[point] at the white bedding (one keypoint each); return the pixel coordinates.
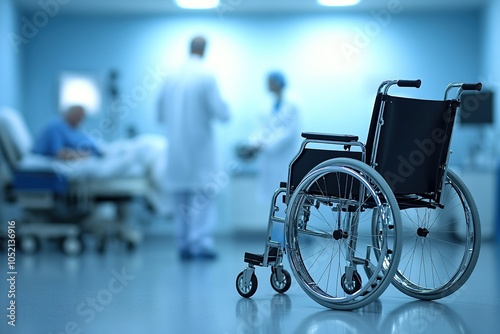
(142, 156)
(124, 167)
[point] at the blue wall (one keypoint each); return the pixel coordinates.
(490, 69)
(334, 62)
(491, 73)
(9, 56)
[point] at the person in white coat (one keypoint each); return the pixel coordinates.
(275, 142)
(277, 139)
(190, 103)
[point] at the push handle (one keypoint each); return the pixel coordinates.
(475, 86)
(409, 83)
(461, 87)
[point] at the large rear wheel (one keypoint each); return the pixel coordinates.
(440, 245)
(342, 230)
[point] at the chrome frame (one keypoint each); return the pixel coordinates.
(457, 98)
(380, 121)
(271, 243)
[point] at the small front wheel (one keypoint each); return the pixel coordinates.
(29, 244)
(351, 287)
(246, 290)
(72, 246)
(284, 285)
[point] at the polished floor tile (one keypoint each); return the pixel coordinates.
(151, 291)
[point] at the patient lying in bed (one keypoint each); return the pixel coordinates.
(75, 155)
(71, 153)
(63, 139)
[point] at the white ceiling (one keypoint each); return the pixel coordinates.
(244, 6)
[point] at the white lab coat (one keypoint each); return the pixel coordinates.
(279, 139)
(189, 104)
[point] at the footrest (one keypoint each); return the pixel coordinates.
(254, 259)
(258, 259)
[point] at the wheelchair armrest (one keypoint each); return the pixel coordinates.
(329, 137)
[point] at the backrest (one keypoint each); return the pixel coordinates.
(412, 149)
(15, 139)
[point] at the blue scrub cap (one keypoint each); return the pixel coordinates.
(278, 78)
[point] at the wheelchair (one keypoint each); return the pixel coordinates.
(359, 217)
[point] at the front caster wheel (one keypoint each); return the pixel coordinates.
(246, 290)
(72, 246)
(29, 244)
(351, 287)
(284, 285)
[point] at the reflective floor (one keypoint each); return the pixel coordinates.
(152, 291)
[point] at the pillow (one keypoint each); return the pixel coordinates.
(14, 134)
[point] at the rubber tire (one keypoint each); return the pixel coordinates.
(253, 287)
(274, 281)
(29, 244)
(72, 246)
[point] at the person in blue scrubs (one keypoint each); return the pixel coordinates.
(62, 138)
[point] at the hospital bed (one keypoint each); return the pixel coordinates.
(56, 203)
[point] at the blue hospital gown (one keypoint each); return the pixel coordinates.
(59, 135)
